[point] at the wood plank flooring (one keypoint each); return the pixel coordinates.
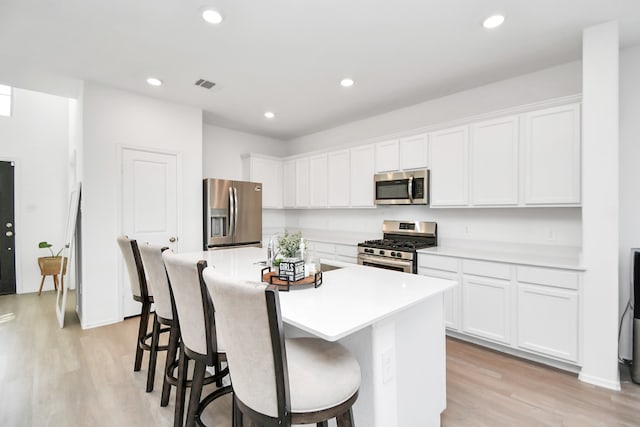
(70, 377)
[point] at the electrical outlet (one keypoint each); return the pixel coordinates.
(387, 365)
(550, 235)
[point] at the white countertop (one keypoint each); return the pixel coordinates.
(348, 300)
(537, 255)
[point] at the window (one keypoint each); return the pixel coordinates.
(5, 100)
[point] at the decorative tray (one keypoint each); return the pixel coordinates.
(271, 277)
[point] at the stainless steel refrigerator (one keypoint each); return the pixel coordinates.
(232, 213)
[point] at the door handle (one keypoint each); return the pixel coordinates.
(235, 203)
(232, 213)
(9, 233)
(172, 239)
(410, 188)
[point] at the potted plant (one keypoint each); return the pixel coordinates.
(289, 244)
(51, 265)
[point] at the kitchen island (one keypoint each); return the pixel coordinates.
(392, 322)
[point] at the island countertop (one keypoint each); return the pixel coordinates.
(349, 299)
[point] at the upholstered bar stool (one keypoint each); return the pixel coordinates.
(278, 381)
(200, 341)
(141, 293)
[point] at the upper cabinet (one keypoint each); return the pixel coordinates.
(449, 167)
(289, 183)
(318, 181)
(552, 156)
(494, 162)
(338, 178)
(387, 156)
(361, 173)
(268, 171)
(414, 152)
(302, 182)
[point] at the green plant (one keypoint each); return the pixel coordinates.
(47, 245)
(289, 243)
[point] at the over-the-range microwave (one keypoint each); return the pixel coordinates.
(402, 188)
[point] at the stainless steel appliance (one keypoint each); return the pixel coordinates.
(232, 213)
(402, 188)
(397, 250)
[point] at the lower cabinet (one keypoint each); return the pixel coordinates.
(451, 297)
(334, 251)
(486, 306)
(548, 321)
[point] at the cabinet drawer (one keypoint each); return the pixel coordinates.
(346, 250)
(486, 269)
(547, 276)
(438, 262)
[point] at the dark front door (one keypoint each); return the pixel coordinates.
(7, 230)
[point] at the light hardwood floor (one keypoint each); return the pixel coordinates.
(70, 377)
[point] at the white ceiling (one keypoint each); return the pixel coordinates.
(288, 56)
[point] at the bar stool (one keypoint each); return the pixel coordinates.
(276, 381)
(200, 341)
(141, 293)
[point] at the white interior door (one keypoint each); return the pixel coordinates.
(149, 205)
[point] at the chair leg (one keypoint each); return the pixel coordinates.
(323, 424)
(142, 331)
(345, 419)
(196, 392)
(218, 369)
(181, 388)
(41, 283)
(171, 357)
(153, 353)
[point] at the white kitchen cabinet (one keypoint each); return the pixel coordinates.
(451, 296)
(548, 321)
(486, 304)
(414, 152)
(347, 253)
(302, 182)
(387, 156)
(338, 178)
(289, 183)
(552, 156)
(268, 171)
(449, 167)
(494, 162)
(361, 168)
(318, 181)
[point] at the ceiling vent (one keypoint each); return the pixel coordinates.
(205, 84)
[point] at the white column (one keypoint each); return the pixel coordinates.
(600, 203)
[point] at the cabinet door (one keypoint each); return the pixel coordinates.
(486, 307)
(362, 170)
(387, 158)
(552, 156)
(413, 152)
(449, 165)
(269, 173)
(451, 297)
(548, 321)
(302, 182)
(289, 183)
(338, 178)
(318, 181)
(494, 162)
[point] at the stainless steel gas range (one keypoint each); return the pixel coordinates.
(397, 249)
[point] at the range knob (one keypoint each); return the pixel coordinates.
(369, 251)
(393, 254)
(381, 252)
(399, 255)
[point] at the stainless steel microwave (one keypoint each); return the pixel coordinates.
(402, 188)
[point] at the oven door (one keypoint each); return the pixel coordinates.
(404, 266)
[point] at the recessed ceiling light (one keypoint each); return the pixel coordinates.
(212, 16)
(493, 21)
(269, 115)
(346, 82)
(153, 81)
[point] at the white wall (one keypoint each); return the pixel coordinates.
(629, 178)
(111, 119)
(555, 82)
(36, 138)
(222, 149)
(600, 205)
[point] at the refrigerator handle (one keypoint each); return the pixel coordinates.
(232, 212)
(235, 202)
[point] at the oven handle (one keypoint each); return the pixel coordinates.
(410, 188)
(387, 261)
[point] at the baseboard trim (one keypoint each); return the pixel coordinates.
(84, 325)
(600, 382)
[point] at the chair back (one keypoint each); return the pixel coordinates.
(248, 316)
(193, 305)
(158, 281)
(134, 267)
